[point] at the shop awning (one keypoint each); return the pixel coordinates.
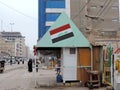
(63, 33)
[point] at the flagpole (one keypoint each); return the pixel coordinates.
(35, 73)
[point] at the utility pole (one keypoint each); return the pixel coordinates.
(11, 26)
(1, 25)
(11, 42)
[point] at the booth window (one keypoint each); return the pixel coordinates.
(72, 50)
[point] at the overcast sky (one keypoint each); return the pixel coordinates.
(24, 15)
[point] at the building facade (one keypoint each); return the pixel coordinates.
(49, 11)
(12, 44)
(97, 19)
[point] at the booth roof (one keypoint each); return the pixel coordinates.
(63, 33)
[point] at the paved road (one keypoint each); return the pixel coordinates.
(16, 77)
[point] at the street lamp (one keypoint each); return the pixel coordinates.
(11, 26)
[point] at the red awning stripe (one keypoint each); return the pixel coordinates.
(117, 51)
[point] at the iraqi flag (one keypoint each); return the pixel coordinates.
(61, 33)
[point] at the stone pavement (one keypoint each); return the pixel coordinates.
(46, 79)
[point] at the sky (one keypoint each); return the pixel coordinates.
(23, 14)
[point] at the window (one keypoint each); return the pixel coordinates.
(114, 7)
(72, 50)
(109, 33)
(93, 7)
(55, 3)
(17, 45)
(114, 20)
(52, 16)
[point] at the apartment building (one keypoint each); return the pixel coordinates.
(97, 19)
(12, 44)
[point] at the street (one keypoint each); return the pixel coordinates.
(17, 77)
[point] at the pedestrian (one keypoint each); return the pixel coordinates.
(30, 65)
(22, 61)
(58, 67)
(10, 61)
(37, 62)
(18, 62)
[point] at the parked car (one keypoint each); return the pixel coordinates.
(13, 61)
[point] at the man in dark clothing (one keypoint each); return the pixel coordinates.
(30, 65)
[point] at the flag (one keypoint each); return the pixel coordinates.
(61, 33)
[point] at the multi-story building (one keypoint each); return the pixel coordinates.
(49, 11)
(4, 48)
(12, 44)
(103, 21)
(97, 19)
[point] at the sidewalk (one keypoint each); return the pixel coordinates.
(9, 67)
(45, 78)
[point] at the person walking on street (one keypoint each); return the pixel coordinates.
(30, 65)
(22, 61)
(10, 61)
(37, 64)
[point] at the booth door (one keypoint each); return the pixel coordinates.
(96, 58)
(84, 59)
(69, 63)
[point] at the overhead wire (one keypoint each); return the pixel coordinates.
(79, 12)
(105, 7)
(108, 9)
(101, 8)
(110, 1)
(100, 12)
(17, 11)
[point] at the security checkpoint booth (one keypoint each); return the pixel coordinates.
(75, 50)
